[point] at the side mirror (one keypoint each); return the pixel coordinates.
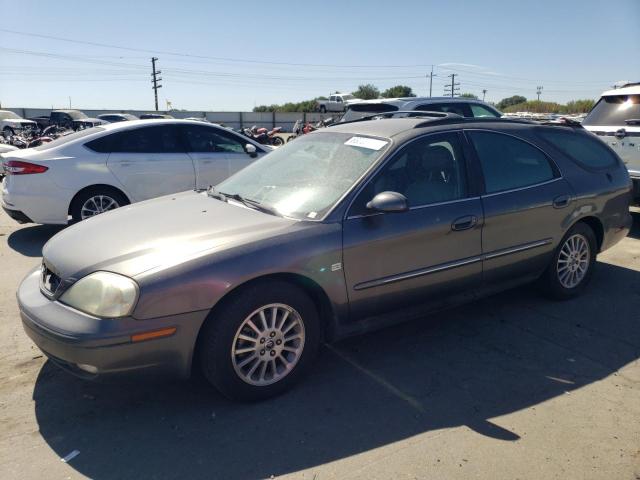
(389, 202)
(250, 149)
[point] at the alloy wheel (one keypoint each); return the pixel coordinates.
(268, 344)
(96, 205)
(573, 261)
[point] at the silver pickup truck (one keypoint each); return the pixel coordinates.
(616, 120)
(337, 102)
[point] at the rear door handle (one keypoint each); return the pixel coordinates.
(464, 223)
(561, 201)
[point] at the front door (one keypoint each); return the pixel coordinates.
(396, 260)
(151, 161)
(216, 153)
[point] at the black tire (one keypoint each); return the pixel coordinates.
(218, 337)
(83, 197)
(277, 141)
(8, 132)
(323, 109)
(551, 282)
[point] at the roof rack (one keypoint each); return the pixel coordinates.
(435, 116)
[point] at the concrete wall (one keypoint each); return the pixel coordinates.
(234, 120)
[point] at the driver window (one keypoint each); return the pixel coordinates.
(427, 171)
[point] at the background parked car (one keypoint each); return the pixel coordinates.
(154, 116)
(42, 121)
(616, 120)
(117, 117)
(11, 123)
(462, 106)
(73, 119)
(337, 102)
(94, 170)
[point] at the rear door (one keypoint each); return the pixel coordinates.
(525, 206)
(431, 251)
(151, 161)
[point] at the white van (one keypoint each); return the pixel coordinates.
(616, 120)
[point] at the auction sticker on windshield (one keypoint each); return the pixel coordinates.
(364, 142)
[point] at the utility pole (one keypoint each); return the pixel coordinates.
(453, 86)
(431, 75)
(156, 79)
(484, 92)
(538, 91)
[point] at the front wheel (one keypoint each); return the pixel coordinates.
(8, 132)
(261, 341)
(572, 265)
(277, 141)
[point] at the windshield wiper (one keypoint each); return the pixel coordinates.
(254, 204)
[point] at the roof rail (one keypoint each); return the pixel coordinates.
(435, 116)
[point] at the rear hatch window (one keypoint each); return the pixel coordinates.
(615, 110)
(360, 110)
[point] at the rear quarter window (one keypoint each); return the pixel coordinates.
(581, 147)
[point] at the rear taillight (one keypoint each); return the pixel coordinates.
(16, 167)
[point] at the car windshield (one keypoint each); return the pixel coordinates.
(8, 115)
(306, 177)
(76, 115)
(614, 110)
(348, 97)
(361, 110)
(68, 138)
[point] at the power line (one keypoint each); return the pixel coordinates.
(538, 91)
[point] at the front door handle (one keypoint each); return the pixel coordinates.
(464, 223)
(561, 201)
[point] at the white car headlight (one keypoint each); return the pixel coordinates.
(102, 294)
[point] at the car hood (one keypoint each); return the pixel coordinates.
(157, 234)
(18, 121)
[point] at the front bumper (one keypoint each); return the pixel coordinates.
(93, 347)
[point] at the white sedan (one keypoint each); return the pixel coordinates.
(91, 171)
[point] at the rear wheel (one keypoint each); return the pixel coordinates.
(261, 342)
(323, 109)
(95, 201)
(277, 141)
(572, 265)
(7, 132)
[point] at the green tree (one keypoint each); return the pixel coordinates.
(399, 91)
(580, 106)
(367, 92)
(507, 102)
(469, 95)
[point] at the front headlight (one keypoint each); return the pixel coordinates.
(102, 294)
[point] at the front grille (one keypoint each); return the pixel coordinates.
(49, 281)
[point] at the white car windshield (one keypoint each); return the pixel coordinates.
(8, 116)
(306, 177)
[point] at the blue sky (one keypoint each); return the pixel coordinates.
(233, 55)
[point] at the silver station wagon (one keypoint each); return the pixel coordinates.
(344, 230)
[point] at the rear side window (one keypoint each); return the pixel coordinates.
(461, 109)
(508, 163)
(480, 111)
(160, 139)
(582, 148)
(101, 145)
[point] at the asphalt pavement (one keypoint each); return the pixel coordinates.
(511, 387)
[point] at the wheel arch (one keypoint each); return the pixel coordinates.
(326, 313)
(96, 186)
(596, 225)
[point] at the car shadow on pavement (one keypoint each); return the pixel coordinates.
(635, 228)
(464, 367)
(30, 240)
